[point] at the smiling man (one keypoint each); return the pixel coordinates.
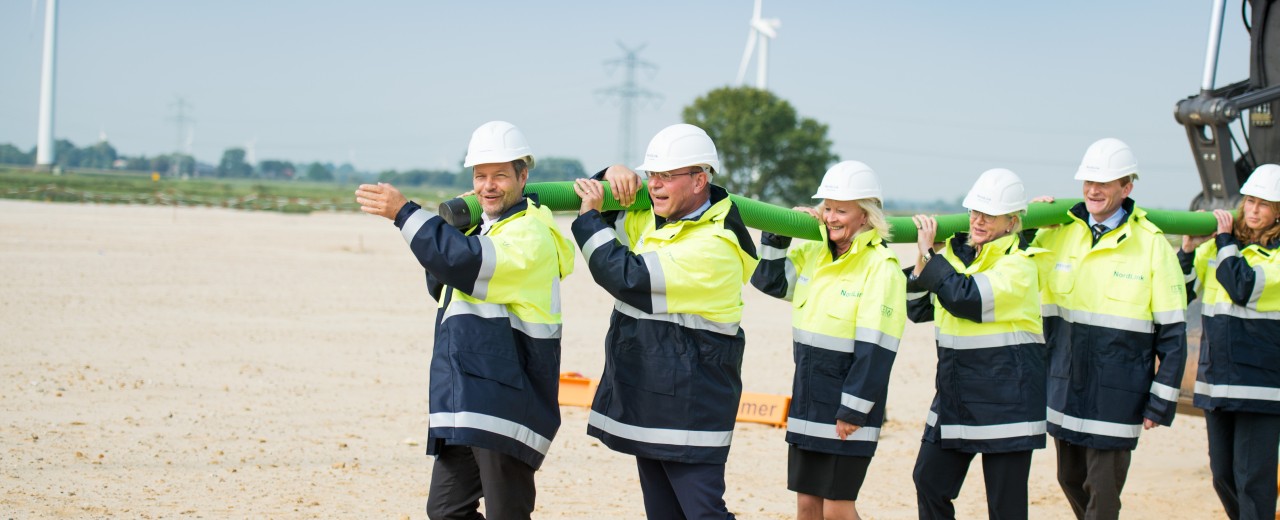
(496, 356)
(673, 353)
(1115, 304)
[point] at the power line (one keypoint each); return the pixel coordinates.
(629, 96)
(180, 121)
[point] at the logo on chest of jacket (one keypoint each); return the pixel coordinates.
(850, 294)
(1128, 276)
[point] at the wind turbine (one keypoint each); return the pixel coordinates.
(44, 134)
(762, 30)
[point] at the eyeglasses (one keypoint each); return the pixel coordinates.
(668, 176)
(979, 216)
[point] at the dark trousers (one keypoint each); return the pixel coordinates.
(1242, 458)
(463, 474)
(1092, 479)
(676, 490)
(940, 473)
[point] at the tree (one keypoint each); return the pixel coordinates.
(318, 172)
(767, 152)
(233, 164)
(273, 169)
(10, 154)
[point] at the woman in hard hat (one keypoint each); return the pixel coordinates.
(982, 290)
(849, 309)
(1238, 381)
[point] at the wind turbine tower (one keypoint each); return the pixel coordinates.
(44, 135)
(762, 30)
(628, 93)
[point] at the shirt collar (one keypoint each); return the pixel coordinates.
(1113, 221)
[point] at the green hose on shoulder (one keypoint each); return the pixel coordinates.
(464, 213)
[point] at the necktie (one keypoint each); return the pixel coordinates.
(1098, 230)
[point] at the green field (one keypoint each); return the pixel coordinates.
(139, 188)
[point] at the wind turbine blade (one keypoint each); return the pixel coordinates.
(762, 66)
(765, 27)
(746, 55)
(755, 15)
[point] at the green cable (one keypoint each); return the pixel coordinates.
(464, 212)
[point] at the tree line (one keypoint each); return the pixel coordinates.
(768, 151)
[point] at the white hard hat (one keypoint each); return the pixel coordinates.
(1263, 183)
(677, 146)
(849, 180)
(1107, 160)
(497, 142)
(997, 192)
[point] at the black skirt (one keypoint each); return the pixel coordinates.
(833, 477)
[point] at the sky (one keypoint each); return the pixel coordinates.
(929, 94)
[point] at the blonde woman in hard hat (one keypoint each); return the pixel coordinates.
(1238, 381)
(848, 297)
(982, 291)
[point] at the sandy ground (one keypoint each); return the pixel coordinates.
(207, 363)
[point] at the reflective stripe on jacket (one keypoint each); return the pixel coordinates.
(1111, 311)
(990, 386)
(1239, 368)
(673, 353)
(496, 357)
(847, 320)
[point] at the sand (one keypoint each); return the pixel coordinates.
(207, 363)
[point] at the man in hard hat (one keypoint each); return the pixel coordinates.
(981, 289)
(673, 355)
(1114, 305)
(496, 360)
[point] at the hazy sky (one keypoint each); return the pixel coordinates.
(929, 94)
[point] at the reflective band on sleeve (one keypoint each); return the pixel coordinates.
(828, 431)
(1004, 339)
(1090, 426)
(688, 321)
(489, 423)
(601, 237)
(791, 280)
(416, 220)
(1227, 252)
(488, 264)
(657, 282)
(706, 439)
(913, 296)
(1169, 317)
(768, 252)
(1231, 309)
(1259, 281)
(1189, 277)
(876, 337)
(1104, 320)
(620, 226)
(1260, 393)
(857, 403)
(1165, 392)
(987, 296)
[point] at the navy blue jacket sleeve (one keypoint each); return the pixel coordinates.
(1187, 261)
(919, 304)
(621, 273)
(449, 256)
(1233, 272)
(957, 293)
(770, 276)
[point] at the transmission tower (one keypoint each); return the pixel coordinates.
(180, 121)
(629, 96)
